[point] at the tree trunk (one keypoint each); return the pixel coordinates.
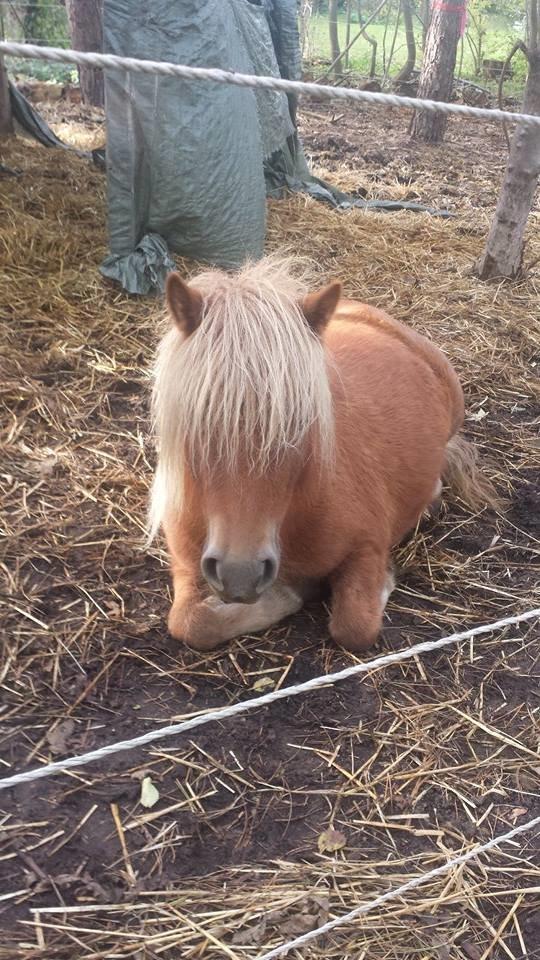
(348, 34)
(409, 65)
(334, 38)
(6, 120)
(86, 28)
(425, 15)
(437, 75)
(533, 27)
(503, 253)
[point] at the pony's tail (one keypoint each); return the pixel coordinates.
(463, 475)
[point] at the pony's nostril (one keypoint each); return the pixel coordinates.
(238, 581)
(210, 572)
(268, 574)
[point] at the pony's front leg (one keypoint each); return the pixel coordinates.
(360, 591)
(204, 623)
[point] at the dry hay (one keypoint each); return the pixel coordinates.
(411, 764)
(80, 126)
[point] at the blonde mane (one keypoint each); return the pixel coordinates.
(250, 383)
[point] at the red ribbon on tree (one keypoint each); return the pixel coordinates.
(448, 7)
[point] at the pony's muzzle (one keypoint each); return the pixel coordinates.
(239, 581)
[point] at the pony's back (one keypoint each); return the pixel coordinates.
(353, 327)
(367, 318)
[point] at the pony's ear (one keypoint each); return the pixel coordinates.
(185, 303)
(318, 307)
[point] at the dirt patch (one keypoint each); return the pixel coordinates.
(411, 763)
(372, 155)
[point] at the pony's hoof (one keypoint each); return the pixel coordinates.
(194, 631)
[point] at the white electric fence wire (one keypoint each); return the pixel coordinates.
(323, 92)
(224, 713)
(398, 891)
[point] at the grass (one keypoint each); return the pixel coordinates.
(497, 43)
(500, 37)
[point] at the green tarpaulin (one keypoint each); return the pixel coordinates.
(190, 163)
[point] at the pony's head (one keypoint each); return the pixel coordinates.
(242, 402)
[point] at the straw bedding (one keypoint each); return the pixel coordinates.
(408, 765)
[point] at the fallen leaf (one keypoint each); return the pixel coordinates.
(68, 879)
(478, 415)
(443, 952)
(43, 468)
(518, 812)
(47, 466)
(113, 609)
(149, 793)
(331, 840)
(251, 936)
(471, 950)
(58, 737)
(298, 924)
(265, 683)
(323, 903)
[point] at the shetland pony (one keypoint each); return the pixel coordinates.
(301, 436)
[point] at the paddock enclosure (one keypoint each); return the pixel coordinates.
(269, 824)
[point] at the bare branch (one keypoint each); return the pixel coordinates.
(519, 45)
(409, 65)
(370, 39)
(353, 41)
